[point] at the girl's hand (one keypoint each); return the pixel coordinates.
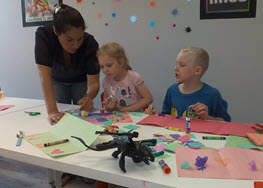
(201, 110)
(151, 110)
(86, 103)
(54, 117)
(122, 108)
(109, 105)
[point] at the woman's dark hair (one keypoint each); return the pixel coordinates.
(66, 17)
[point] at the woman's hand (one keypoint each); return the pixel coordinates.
(54, 117)
(151, 110)
(86, 103)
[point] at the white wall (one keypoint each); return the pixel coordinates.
(234, 45)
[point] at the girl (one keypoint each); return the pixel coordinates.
(123, 89)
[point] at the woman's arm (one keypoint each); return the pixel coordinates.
(45, 74)
(146, 99)
(93, 89)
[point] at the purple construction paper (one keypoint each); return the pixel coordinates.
(200, 162)
(99, 114)
(160, 146)
(94, 121)
(186, 143)
(176, 136)
(252, 165)
(101, 119)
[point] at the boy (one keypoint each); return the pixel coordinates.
(190, 96)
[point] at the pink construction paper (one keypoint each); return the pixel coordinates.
(201, 126)
(55, 151)
(94, 121)
(184, 138)
(4, 107)
(237, 168)
(160, 146)
(256, 138)
(33, 137)
(165, 139)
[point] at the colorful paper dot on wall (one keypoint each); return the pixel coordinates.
(117, 0)
(188, 0)
(99, 15)
(188, 29)
(157, 38)
(113, 15)
(152, 23)
(133, 18)
(152, 3)
(93, 3)
(79, 1)
(174, 25)
(106, 24)
(175, 12)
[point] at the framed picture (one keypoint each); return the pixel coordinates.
(35, 12)
(222, 9)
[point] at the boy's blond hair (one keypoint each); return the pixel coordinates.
(114, 50)
(200, 56)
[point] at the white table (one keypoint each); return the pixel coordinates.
(99, 165)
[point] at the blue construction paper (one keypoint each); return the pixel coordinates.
(131, 127)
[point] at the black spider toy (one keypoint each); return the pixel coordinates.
(137, 150)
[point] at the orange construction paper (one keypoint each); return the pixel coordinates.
(222, 161)
(57, 151)
(256, 138)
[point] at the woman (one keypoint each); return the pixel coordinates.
(66, 60)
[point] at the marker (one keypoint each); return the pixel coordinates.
(158, 153)
(33, 113)
(56, 142)
(214, 138)
(164, 166)
(174, 129)
(187, 125)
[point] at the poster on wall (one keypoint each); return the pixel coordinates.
(36, 12)
(222, 9)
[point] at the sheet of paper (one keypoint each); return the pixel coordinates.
(235, 159)
(237, 141)
(256, 138)
(4, 107)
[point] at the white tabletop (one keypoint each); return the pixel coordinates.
(100, 165)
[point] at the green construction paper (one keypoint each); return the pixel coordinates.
(158, 140)
(47, 137)
(240, 142)
(111, 119)
(130, 126)
(68, 126)
(192, 136)
(72, 126)
(107, 123)
(171, 146)
(196, 144)
(119, 114)
(122, 131)
(185, 165)
(138, 114)
(164, 156)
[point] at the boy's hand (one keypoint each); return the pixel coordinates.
(201, 110)
(151, 110)
(109, 105)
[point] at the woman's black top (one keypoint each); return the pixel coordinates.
(49, 52)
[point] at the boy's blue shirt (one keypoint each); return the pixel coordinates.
(217, 106)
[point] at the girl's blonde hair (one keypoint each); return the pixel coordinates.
(114, 50)
(200, 56)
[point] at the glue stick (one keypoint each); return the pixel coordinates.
(164, 166)
(187, 125)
